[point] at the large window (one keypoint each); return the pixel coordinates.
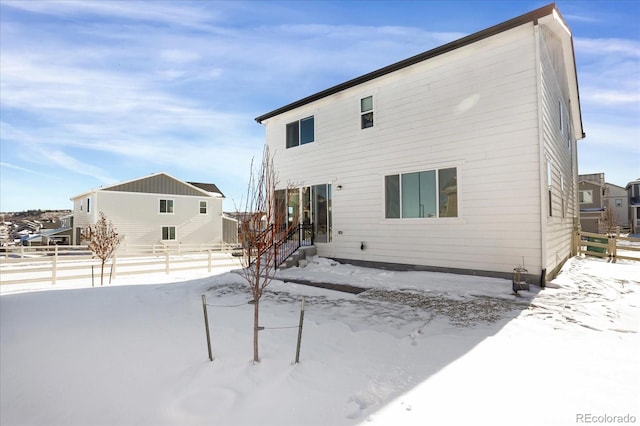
(321, 198)
(586, 196)
(166, 206)
(300, 132)
(366, 112)
(431, 193)
(168, 233)
(310, 205)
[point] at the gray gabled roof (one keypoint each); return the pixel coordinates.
(208, 187)
(532, 16)
(162, 183)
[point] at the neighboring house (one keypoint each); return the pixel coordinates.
(591, 196)
(462, 158)
(242, 218)
(154, 209)
(633, 191)
(616, 200)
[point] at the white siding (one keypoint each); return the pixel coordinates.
(474, 108)
(81, 218)
(136, 216)
(559, 149)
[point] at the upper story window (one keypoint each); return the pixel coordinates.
(585, 196)
(166, 206)
(203, 207)
(300, 132)
(88, 205)
(366, 112)
(561, 113)
(432, 193)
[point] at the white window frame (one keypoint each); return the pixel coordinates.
(299, 121)
(206, 207)
(168, 228)
(369, 111)
(402, 219)
(168, 210)
(561, 108)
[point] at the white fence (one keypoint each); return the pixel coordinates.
(23, 265)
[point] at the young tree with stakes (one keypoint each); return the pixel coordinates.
(262, 227)
(103, 241)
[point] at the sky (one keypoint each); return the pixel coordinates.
(93, 93)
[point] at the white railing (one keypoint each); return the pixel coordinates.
(13, 252)
(22, 265)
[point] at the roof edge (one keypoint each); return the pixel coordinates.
(464, 41)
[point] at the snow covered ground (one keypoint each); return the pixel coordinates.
(418, 348)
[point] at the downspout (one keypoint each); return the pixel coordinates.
(541, 160)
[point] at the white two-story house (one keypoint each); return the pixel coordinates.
(155, 209)
(462, 158)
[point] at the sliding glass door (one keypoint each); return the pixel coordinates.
(308, 205)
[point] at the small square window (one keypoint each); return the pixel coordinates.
(300, 132)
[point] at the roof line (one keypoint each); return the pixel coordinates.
(472, 38)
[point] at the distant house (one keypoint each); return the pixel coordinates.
(462, 158)
(155, 209)
(591, 196)
(617, 200)
(633, 191)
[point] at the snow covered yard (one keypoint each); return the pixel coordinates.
(418, 348)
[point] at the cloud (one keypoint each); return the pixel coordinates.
(609, 75)
(26, 170)
(65, 161)
(614, 97)
(159, 12)
(598, 46)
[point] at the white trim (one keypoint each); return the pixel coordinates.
(173, 206)
(206, 207)
(175, 232)
(372, 111)
(541, 154)
(437, 218)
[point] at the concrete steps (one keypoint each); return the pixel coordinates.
(299, 257)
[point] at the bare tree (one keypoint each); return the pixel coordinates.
(262, 229)
(103, 241)
(609, 220)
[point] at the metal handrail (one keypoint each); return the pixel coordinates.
(285, 242)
